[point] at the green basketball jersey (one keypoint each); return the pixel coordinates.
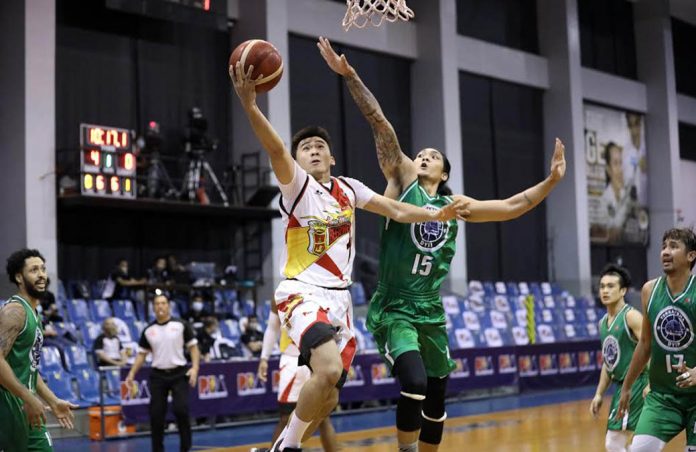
(26, 350)
(414, 260)
(672, 318)
(618, 344)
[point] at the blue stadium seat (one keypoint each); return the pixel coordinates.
(133, 330)
(457, 320)
(78, 311)
(88, 386)
(501, 303)
(471, 321)
(520, 335)
(61, 294)
(90, 331)
(263, 310)
(500, 288)
(140, 310)
(475, 286)
(124, 309)
(63, 328)
(489, 288)
(520, 317)
(592, 329)
(499, 320)
(60, 382)
(523, 288)
(492, 337)
(512, 289)
(76, 358)
(535, 289)
(450, 303)
(357, 293)
(463, 338)
(100, 310)
(230, 329)
(546, 316)
(545, 334)
(50, 359)
(113, 382)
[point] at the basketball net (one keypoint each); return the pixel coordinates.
(363, 12)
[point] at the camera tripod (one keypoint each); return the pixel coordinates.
(192, 180)
(159, 184)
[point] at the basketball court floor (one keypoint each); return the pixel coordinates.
(553, 421)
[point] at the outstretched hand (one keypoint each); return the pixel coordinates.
(457, 209)
(339, 64)
(558, 163)
(244, 85)
(62, 409)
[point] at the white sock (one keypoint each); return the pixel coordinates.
(413, 447)
(294, 431)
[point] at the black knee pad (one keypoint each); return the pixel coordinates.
(434, 403)
(434, 414)
(431, 432)
(410, 371)
(316, 335)
(408, 414)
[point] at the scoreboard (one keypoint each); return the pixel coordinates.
(107, 162)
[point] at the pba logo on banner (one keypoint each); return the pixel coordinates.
(139, 394)
(249, 384)
(548, 364)
(380, 375)
(506, 363)
(212, 387)
(355, 376)
(585, 361)
(567, 363)
(461, 369)
(275, 380)
(528, 365)
(483, 365)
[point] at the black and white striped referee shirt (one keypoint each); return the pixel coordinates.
(166, 342)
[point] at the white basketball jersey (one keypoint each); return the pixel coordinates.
(319, 228)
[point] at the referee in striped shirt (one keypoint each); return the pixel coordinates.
(165, 338)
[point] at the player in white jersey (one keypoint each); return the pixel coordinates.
(292, 378)
(318, 210)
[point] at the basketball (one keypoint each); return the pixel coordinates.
(266, 61)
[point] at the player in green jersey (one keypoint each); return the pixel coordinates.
(620, 331)
(22, 413)
(406, 316)
(667, 340)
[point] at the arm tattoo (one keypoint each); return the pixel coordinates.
(12, 319)
(388, 149)
(529, 201)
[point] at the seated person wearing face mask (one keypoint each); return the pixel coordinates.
(197, 313)
(211, 343)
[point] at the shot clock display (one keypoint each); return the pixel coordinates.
(107, 163)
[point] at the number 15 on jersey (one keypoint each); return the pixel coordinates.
(422, 265)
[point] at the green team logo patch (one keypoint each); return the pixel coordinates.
(431, 235)
(672, 329)
(611, 352)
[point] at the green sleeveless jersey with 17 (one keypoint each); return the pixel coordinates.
(672, 319)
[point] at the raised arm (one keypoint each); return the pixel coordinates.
(281, 161)
(398, 168)
(408, 213)
(523, 202)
